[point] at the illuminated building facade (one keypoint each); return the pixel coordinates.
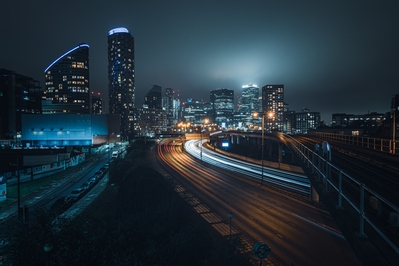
(67, 83)
(306, 120)
(121, 78)
(19, 95)
(249, 99)
(273, 107)
(168, 105)
(62, 130)
(96, 104)
(222, 101)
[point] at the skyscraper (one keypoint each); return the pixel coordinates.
(121, 77)
(222, 101)
(273, 105)
(250, 99)
(67, 83)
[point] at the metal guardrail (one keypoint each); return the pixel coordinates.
(352, 197)
(383, 145)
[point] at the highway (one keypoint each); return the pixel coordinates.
(292, 181)
(297, 232)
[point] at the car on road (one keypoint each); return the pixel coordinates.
(99, 173)
(77, 193)
(92, 180)
(86, 185)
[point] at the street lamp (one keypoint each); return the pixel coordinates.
(206, 121)
(270, 116)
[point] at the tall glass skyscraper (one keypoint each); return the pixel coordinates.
(222, 101)
(250, 99)
(67, 83)
(121, 77)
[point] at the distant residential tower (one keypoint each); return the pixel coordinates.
(121, 77)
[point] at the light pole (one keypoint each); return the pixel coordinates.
(206, 121)
(270, 116)
(201, 143)
(263, 139)
(230, 214)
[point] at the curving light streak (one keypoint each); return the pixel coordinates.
(282, 178)
(70, 51)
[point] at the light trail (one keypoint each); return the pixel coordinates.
(285, 179)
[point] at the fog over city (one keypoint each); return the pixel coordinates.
(332, 57)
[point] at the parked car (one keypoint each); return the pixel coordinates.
(77, 193)
(86, 185)
(92, 180)
(99, 173)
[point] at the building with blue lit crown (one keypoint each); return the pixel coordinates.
(121, 77)
(67, 83)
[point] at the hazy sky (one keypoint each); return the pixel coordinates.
(331, 56)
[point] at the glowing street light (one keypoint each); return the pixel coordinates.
(206, 121)
(270, 116)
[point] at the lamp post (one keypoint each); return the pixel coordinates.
(201, 143)
(270, 116)
(263, 140)
(206, 121)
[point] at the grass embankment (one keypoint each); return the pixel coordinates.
(31, 186)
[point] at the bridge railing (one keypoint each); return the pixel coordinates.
(360, 201)
(384, 145)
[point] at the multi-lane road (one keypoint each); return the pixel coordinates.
(297, 232)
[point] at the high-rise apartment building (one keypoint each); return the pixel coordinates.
(273, 107)
(19, 95)
(67, 83)
(222, 101)
(121, 77)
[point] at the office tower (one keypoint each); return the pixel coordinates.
(121, 77)
(67, 83)
(96, 103)
(222, 101)
(273, 107)
(249, 99)
(19, 95)
(153, 98)
(193, 111)
(168, 102)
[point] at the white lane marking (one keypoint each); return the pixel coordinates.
(324, 227)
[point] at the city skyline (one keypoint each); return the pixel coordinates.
(331, 57)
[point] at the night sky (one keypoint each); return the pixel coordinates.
(331, 56)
